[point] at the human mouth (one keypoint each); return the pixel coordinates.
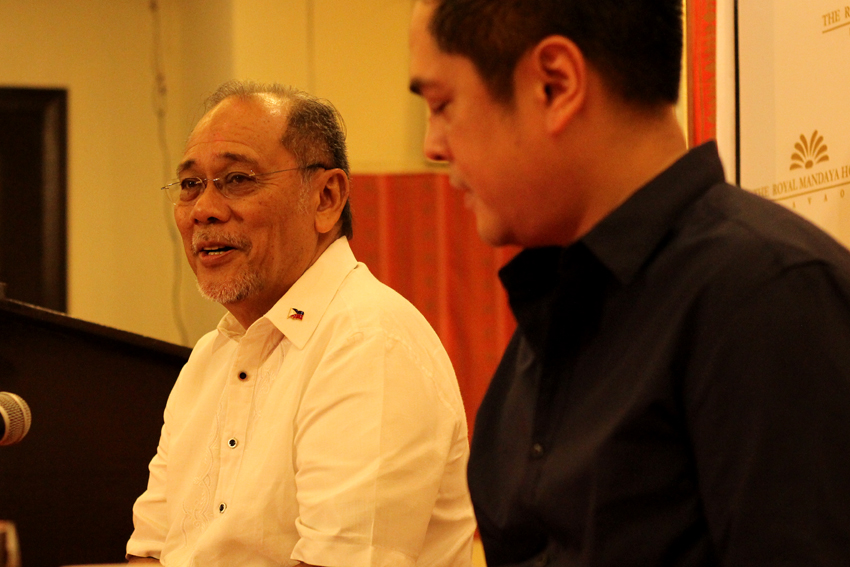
(210, 246)
(215, 251)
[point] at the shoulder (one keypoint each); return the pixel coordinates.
(764, 226)
(366, 313)
(740, 272)
(732, 235)
(367, 304)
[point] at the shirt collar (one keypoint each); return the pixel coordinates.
(298, 312)
(624, 240)
(543, 281)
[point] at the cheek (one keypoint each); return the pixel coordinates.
(184, 226)
(183, 222)
(473, 145)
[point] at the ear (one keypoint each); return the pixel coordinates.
(560, 72)
(333, 194)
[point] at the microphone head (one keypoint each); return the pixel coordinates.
(16, 418)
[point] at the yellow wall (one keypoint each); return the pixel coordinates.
(123, 257)
(117, 246)
(121, 251)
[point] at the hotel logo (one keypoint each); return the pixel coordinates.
(810, 152)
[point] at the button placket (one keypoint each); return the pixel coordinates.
(247, 379)
(239, 393)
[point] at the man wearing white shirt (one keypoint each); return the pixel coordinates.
(321, 423)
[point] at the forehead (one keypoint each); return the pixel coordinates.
(251, 128)
(433, 71)
(425, 55)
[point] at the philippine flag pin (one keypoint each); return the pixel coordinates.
(296, 314)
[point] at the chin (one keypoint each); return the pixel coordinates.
(232, 290)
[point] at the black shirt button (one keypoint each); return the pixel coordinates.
(232, 443)
(537, 450)
(222, 507)
(243, 376)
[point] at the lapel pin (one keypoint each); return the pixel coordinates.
(296, 314)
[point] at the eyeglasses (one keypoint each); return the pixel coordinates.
(234, 185)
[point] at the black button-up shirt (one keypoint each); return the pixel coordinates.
(677, 392)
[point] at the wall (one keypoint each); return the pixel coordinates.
(101, 52)
(123, 256)
(126, 268)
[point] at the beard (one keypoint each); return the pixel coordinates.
(237, 288)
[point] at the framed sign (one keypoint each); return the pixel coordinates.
(793, 116)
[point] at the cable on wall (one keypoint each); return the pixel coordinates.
(160, 107)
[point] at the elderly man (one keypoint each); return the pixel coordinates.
(321, 423)
(677, 392)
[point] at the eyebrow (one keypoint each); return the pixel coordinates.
(229, 156)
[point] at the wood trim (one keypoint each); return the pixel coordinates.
(702, 89)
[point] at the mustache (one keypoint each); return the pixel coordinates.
(225, 239)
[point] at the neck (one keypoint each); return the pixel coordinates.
(627, 150)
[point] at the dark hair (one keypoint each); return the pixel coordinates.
(315, 131)
(635, 45)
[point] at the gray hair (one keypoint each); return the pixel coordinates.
(315, 130)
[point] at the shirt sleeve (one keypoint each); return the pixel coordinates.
(149, 511)
(770, 426)
(373, 436)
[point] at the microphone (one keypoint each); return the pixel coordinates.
(15, 418)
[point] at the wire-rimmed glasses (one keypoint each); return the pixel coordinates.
(233, 185)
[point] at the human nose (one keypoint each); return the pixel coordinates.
(211, 206)
(435, 146)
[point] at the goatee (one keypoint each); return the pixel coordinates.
(237, 288)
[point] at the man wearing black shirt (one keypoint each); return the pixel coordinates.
(677, 391)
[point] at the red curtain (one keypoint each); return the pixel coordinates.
(415, 235)
(702, 91)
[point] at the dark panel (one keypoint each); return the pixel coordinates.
(97, 396)
(32, 195)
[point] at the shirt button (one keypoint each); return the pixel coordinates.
(222, 507)
(243, 376)
(232, 443)
(537, 450)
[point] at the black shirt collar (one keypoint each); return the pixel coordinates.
(625, 239)
(543, 282)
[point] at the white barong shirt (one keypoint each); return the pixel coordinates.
(331, 431)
